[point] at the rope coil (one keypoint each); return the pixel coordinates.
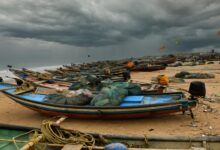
(53, 133)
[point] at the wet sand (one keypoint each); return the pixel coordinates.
(205, 122)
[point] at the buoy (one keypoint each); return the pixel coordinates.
(115, 146)
(163, 80)
(130, 65)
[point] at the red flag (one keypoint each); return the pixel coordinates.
(163, 47)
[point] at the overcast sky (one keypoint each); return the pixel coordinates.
(47, 32)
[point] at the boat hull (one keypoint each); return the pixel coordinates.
(165, 61)
(149, 68)
(90, 112)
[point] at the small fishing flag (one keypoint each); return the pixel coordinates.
(163, 47)
(178, 41)
(218, 33)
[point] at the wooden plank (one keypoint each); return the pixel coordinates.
(198, 148)
(72, 147)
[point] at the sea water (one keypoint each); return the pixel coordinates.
(5, 73)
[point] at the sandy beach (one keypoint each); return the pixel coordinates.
(206, 113)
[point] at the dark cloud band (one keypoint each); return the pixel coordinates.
(95, 23)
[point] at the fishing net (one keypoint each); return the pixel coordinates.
(109, 96)
(61, 99)
(182, 74)
(133, 89)
(199, 76)
(77, 85)
(87, 81)
(188, 75)
(114, 94)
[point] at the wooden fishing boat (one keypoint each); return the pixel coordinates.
(11, 135)
(5, 86)
(63, 84)
(60, 85)
(55, 72)
(138, 106)
(148, 68)
(164, 61)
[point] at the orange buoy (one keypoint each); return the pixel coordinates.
(164, 80)
(130, 64)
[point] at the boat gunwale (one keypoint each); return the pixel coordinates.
(107, 107)
(180, 138)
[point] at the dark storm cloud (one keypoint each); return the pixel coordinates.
(98, 23)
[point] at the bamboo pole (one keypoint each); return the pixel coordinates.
(31, 143)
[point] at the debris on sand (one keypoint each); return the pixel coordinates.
(188, 75)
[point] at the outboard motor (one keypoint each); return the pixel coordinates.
(1, 80)
(197, 89)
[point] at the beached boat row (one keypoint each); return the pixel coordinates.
(89, 95)
(92, 94)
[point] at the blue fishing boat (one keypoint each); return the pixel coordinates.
(138, 106)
